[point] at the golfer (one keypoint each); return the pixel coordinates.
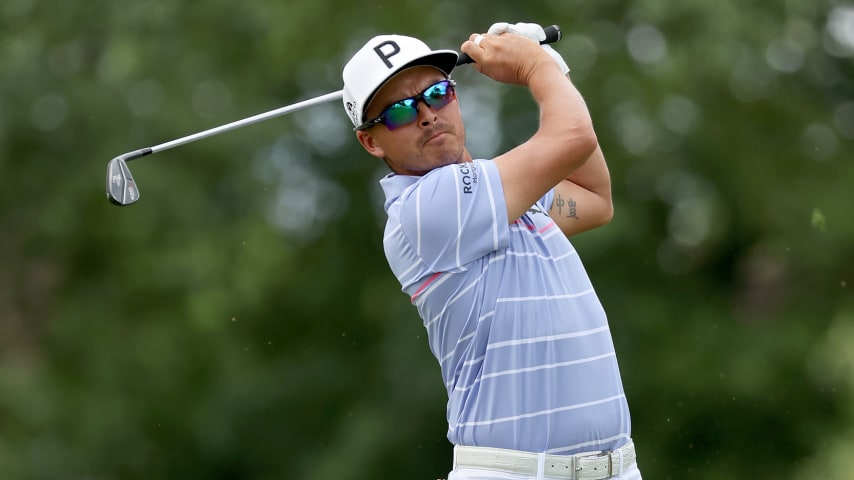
(481, 248)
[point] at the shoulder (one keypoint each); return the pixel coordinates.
(461, 178)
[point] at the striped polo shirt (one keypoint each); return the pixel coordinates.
(523, 342)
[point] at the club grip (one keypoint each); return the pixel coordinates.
(552, 35)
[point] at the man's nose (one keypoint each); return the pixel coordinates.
(426, 114)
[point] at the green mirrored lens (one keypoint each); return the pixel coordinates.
(437, 95)
(400, 114)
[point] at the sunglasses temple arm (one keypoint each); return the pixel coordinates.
(553, 35)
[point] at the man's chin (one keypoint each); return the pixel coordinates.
(443, 157)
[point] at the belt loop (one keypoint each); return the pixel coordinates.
(541, 466)
(621, 461)
(454, 465)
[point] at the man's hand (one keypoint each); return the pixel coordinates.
(507, 58)
(532, 31)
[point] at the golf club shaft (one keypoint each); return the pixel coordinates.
(552, 32)
(235, 124)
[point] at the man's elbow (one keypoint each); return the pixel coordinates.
(582, 144)
(606, 211)
(608, 214)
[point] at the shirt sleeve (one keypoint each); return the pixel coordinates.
(456, 214)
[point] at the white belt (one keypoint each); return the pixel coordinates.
(573, 467)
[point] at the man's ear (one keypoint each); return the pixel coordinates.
(370, 144)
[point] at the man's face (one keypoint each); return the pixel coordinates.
(436, 137)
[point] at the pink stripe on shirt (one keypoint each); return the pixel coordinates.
(423, 286)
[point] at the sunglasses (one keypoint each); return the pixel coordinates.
(405, 111)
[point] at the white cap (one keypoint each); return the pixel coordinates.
(379, 60)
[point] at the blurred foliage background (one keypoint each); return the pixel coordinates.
(240, 321)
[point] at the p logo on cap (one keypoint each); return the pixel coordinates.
(395, 49)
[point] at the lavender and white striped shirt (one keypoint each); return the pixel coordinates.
(511, 316)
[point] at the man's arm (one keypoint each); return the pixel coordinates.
(583, 200)
(565, 139)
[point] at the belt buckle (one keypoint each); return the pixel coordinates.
(610, 463)
(607, 466)
(609, 469)
(576, 468)
(584, 471)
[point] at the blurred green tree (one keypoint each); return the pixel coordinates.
(241, 322)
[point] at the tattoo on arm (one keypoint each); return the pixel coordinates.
(565, 206)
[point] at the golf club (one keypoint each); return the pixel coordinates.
(122, 189)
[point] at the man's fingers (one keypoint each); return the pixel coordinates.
(473, 47)
(476, 38)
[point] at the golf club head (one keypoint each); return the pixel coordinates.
(121, 188)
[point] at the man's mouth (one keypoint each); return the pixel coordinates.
(436, 136)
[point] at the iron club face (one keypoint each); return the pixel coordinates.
(121, 188)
